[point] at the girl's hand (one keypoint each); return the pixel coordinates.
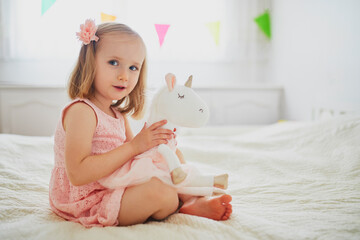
(150, 137)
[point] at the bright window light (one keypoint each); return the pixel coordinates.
(198, 30)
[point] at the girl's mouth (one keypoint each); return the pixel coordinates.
(119, 87)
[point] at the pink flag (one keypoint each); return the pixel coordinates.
(161, 30)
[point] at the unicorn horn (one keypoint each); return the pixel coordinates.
(189, 82)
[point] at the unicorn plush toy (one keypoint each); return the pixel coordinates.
(181, 107)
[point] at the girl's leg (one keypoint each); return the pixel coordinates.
(216, 208)
(151, 199)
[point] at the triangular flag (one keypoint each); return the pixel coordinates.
(263, 21)
(107, 18)
(45, 5)
(161, 30)
(214, 28)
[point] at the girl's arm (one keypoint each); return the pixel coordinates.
(180, 156)
(82, 167)
(128, 131)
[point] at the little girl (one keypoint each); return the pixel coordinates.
(93, 138)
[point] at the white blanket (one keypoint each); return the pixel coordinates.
(288, 181)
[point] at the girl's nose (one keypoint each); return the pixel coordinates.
(122, 76)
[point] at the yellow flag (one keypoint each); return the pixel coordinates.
(214, 28)
(107, 18)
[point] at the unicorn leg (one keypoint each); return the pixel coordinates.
(221, 181)
(177, 173)
(204, 185)
(198, 180)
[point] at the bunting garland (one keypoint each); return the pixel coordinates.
(45, 5)
(214, 28)
(263, 22)
(161, 30)
(107, 17)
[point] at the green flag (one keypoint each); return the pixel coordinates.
(263, 21)
(45, 5)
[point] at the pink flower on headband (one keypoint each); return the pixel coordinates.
(87, 32)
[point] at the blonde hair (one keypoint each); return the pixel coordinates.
(82, 77)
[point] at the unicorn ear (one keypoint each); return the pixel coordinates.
(170, 81)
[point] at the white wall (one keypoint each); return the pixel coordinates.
(316, 54)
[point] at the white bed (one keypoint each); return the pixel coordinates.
(288, 181)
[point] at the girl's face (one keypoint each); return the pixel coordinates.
(118, 61)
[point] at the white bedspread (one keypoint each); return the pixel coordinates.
(288, 181)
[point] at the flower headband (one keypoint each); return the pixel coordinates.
(87, 32)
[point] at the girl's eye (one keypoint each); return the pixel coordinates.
(133, 68)
(181, 96)
(113, 62)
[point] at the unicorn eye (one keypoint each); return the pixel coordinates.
(181, 96)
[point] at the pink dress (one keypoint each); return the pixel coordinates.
(98, 203)
(90, 204)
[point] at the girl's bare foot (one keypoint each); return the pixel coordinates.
(216, 208)
(178, 175)
(221, 181)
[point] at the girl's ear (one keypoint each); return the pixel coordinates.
(170, 81)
